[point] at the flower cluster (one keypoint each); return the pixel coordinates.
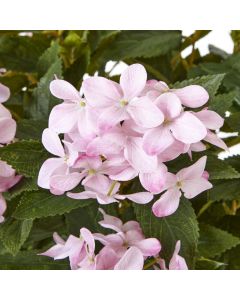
(8, 178)
(116, 132)
(126, 249)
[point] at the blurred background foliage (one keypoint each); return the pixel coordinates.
(208, 226)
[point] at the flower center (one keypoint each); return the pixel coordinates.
(66, 157)
(179, 184)
(123, 102)
(91, 172)
(82, 103)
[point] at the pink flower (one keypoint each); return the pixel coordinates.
(107, 193)
(177, 262)
(80, 251)
(55, 173)
(190, 96)
(175, 127)
(75, 111)
(191, 181)
(121, 101)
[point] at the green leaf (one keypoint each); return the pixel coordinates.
(182, 225)
(142, 43)
(193, 38)
(203, 263)
(214, 241)
(43, 101)
(219, 169)
(47, 59)
(14, 233)
(30, 260)
(30, 129)
(42, 203)
(210, 82)
(25, 185)
(234, 121)
(222, 102)
(21, 53)
(226, 190)
(25, 157)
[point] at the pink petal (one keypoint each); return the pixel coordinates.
(145, 113)
(167, 204)
(89, 239)
(169, 104)
(194, 171)
(63, 117)
(194, 187)
(212, 138)
(210, 119)
(156, 140)
(173, 151)
(141, 197)
(7, 130)
(87, 122)
(133, 81)
(101, 92)
(54, 251)
(4, 112)
(131, 260)
(177, 262)
(188, 129)
(64, 90)
(137, 157)
(127, 174)
(4, 93)
(47, 169)
(106, 259)
(192, 95)
(154, 181)
(131, 225)
(111, 116)
(149, 247)
(3, 207)
(6, 170)
(52, 143)
(65, 182)
(110, 222)
(82, 195)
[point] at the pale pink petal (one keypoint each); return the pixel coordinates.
(188, 129)
(167, 204)
(192, 95)
(212, 138)
(7, 130)
(65, 182)
(64, 90)
(106, 259)
(194, 187)
(104, 199)
(169, 104)
(6, 170)
(198, 147)
(173, 151)
(194, 171)
(4, 112)
(52, 143)
(54, 251)
(156, 140)
(133, 81)
(127, 174)
(101, 92)
(141, 197)
(82, 195)
(111, 116)
(154, 181)
(97, 182)
(89, 239)
(148, 247)
(4, 93)
(145, 113)
(131, 225)
(210, 119)
(137, 157)
(63, 117)
(8, 182)
(110, 222)
(47, 169)
(177, 262)
(3, 207)
(57, 238)
(131, 260)
(87, 122)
